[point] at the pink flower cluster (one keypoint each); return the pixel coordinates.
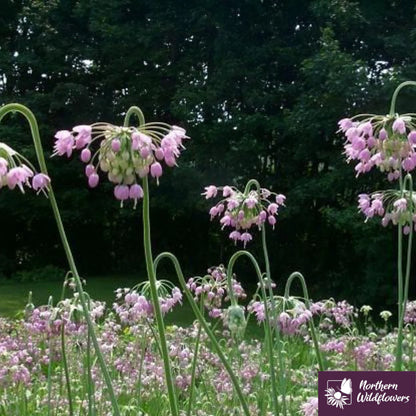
(293, 314)
(410, 313)
(135, 305)
(337, 346)
(340, 313)
(125, 154)
(386, 142)
(244, 210)
(391, 206)
(15, 172)
(363, 353)
(213, 289)
(310, 407)
(291, 321)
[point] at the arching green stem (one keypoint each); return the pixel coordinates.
(151, 274)
(289, 282)
(268, 273)
(268, 327)
(12, 108)
(250, 184)
(50, 305)
(409, 182)
(90, 382)
(206, 327)
(194, 362)
(134, 111)
(403, 283)
(396, 93)
(399, 349)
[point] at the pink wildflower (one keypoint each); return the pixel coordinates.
(210, 192)
(83, 137)
(86, 155)
(310, 407)
(93, 180)
(243, 210)
(64, 143)
(40, 181)
(246, 238)
(399, 126)
(125, 154)
(19, 176)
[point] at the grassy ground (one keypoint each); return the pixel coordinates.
(13, 297)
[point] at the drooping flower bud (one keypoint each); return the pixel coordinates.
(236, 320)
(86, 155)
(93, 180)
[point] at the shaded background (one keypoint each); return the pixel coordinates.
(259, 86)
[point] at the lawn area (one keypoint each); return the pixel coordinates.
(13, 295)
(13, 298)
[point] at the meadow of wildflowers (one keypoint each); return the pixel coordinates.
(80, 356)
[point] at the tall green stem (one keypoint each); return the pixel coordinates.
(194, 361)
(269, 335)
(399, 348)
(402, 290)
(289, 282)
(403, 283)
(268, 273)
(66, 369)
(155, 300)
(268, 322)
(207, 329)
(254, 183)
(90, 383)
(41, 160)
(152, 279)
(50, 304)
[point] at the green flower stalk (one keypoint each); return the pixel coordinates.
(388, 142)
(267, 327)
(151, 274)
(128, 155)
(299, 276)
(13, 108)
(243, 210)
(215, 344)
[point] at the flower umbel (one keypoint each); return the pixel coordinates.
(17, 171)
(244, 210)
(125, 154)
(392, 205)
(386, 142)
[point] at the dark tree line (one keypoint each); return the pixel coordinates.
(259, 85)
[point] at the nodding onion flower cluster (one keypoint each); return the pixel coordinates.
(393, 206)
(17, 171)
(125, 154)
(243, 210)
(135, 305)
(410, 313)
(213, 289)
(386, 142)
(292, 314)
